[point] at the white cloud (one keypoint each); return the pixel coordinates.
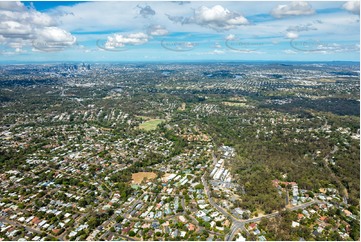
(217, 45)
(218, 52)
(240, 20)
(15, 29)
(289, 52)
(121, 40)
(216, 17)
(12, 6)
(292, 9)
(16, 44)
(230, 37)
(291, 35)
(89, 17)
(189, 44)
(352, 6)
(21, 26)
(97, 16)
(53, 39)
(157, 30)
(211, 52)
(56, 34)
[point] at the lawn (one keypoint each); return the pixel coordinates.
(150, 124)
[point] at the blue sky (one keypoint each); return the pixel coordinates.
(162, 31)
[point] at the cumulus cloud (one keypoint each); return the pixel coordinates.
(55, 34)
(21, 26)
(146, 11)
(292, 9)
(121, 40)
(13, 6)
(291, 35)
(14, 29)
(53, 38)
(352, 6)
(157, 30)
(216, 17)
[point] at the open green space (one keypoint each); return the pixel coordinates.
(150, 124)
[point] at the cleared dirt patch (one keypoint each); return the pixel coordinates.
(238, 99)
(138, 177)
(235, 104)
(182, 107)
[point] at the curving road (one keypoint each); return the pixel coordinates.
(240, 223)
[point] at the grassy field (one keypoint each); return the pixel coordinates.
(150, 124)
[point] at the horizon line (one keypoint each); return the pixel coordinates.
(172, 61)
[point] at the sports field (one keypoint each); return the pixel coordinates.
(150, 124)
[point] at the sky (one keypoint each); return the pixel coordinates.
(101, 31)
